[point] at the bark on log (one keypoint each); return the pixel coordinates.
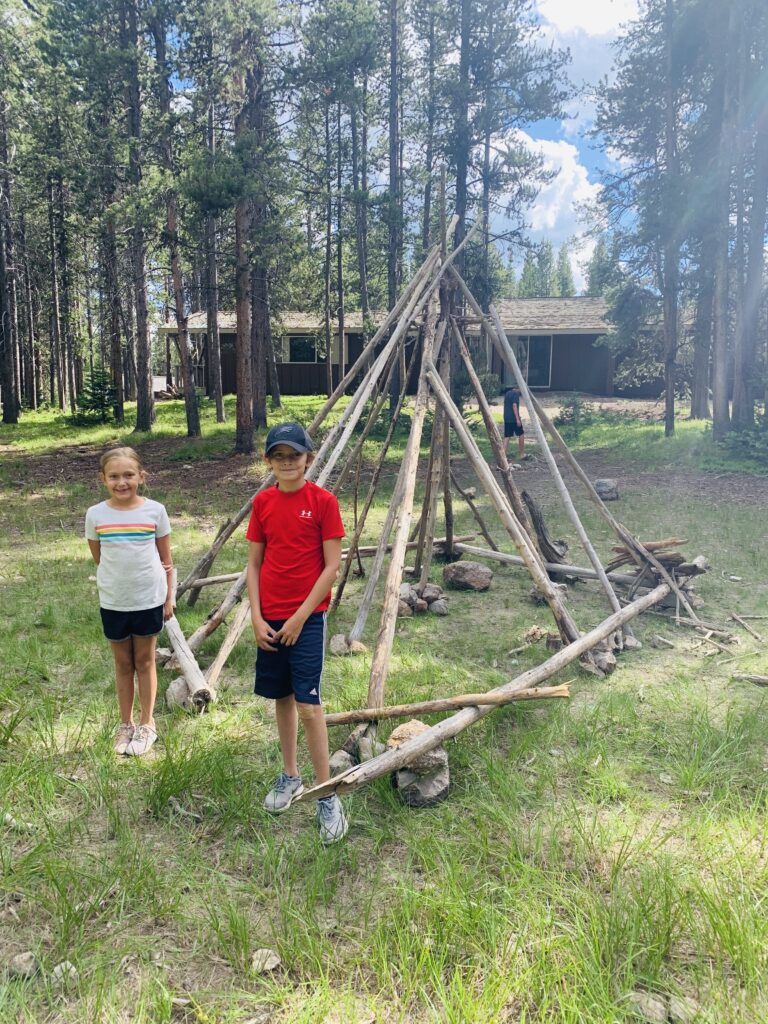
(749, 677)
(390, 761)
(201, 692)
(463, 700)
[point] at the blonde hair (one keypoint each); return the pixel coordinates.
(120, 453)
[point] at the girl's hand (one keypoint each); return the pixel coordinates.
(290, 631)
(266, 636)
(168, 609)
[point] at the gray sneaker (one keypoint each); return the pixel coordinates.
(331, 820)
(285, 789)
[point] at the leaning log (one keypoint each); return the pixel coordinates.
(462, 700)
(390, 761)
(201, 692)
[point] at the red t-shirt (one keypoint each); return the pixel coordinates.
(292, 525)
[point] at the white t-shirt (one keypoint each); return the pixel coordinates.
(130, 575)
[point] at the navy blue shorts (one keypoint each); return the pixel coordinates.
(120, 626)
(512, 429)
(293, 670)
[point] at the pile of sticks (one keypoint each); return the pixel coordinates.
(427, 310)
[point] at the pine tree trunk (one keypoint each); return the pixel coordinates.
(745, 342)
(57, 373)
(158, 30)
(340, 250)
(259, 333)
(721, 422)
(112, 291)
(8, 377)
(145, 411)
(429, 142)
(66, 304)
(702, 339)
(327, 259)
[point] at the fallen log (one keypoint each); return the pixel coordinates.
(463, 700)
(390, 761)
(201, 692)
(235, 631)
(748, 677)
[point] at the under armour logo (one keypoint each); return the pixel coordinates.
(306, 513)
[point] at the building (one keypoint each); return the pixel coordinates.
(554, 340)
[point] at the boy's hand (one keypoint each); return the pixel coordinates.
(290, 631)
(266, 636)
(168, 609)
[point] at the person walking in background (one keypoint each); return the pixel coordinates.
(130, 541)
(513, 425)
(294, 556)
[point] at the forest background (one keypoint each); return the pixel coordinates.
(266, 155)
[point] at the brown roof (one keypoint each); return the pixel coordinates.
(582, 315)
(290, 321)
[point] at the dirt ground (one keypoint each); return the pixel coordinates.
(240, 474)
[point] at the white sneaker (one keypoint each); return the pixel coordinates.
(143, 739)
(331, 820)
(123, 737)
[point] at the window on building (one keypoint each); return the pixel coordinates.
(304, 348)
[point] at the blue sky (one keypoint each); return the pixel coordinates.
(587, 28)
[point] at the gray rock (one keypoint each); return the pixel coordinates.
(607, 489)
(538, 598)
(365, 748)
(338, 645)
(427, 763)
(23, 965)
(422, 790)
(357, 647)
(265, 960)
(431, 592)
(404, 610)
(648, 1007)
(420, 606)
(605, 661)
(64, 974)
(683, 1010)
(439, 607)
(405, 592)
(350, 744)
(467, 576)
(340, 761)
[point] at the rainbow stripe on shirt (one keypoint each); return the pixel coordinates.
(126, 531)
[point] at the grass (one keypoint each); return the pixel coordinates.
(586, 850)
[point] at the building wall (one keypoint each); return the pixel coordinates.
(578, 364)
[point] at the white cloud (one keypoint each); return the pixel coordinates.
(555, 211)
(594, 17)
(555, 214)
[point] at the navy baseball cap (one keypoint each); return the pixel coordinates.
(292, 434)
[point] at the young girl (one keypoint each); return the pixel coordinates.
(129, 538)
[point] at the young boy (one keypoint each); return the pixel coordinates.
(513, 425)
(294, 555)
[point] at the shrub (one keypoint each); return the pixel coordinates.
(575, 414)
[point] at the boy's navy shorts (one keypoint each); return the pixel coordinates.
(293, 670)
(120, 626)
(511, 429)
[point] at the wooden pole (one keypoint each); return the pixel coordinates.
(640, 554)
(383, 648)
(505, 351)
(235, 631)
(475, 512)
(565, 624)
(464, 700)
(391, 760)
(497, 444)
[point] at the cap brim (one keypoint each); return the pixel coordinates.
(289, 444)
